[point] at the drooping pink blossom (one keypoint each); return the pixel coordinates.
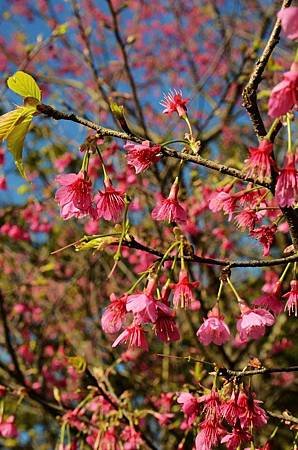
(237, 437)
(265, 235)
(134, 336)
(114, 314)
(231, 410)
(252, 414)
(110, 202)
(214, 329)
(8, 428)
(174, 102)
(222, 199)
(165, 326)
(74, 195)
(258, 165)
(144, 302)
(246, 219)
(132, 439)
(189, 402)
(141, 156)
(292, 299)
(284, 96)
(286, 190)
(289, 21)
(252, 322)
(170, 209)
(270, 301)
(209, 435)
(183, 290)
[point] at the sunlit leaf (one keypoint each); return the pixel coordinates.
(15, 142)
(78, 362)
(23, 84)
(9, 120)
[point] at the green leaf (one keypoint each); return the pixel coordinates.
(9, 120)
(15, 142)
(23, 84)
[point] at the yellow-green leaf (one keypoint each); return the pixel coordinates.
(9, 120)
(15, 142)
(78, 362)
(23, 84)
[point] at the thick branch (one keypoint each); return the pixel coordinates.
(249, 94)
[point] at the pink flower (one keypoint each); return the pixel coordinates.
(114, 314)
(61, 163)
(209, 435)
(258, 165)
(74, 195)
(8, 428)
(165, 326)
(284, 95)
(141, 156)
(253, 415)
(223, 200)
(237, 437)
(292, 296)
(271, 302)
(289, 21)
(265, 235)
(183, 295)
(170, 209)
(173, 101)
(3, 184)
(144, 303)
(134, 336)
(109, 203)
(246, 219)
(190, 406)
(132, 438)
(286, 190)
(252, 323)
(213, 329)
(231, 410)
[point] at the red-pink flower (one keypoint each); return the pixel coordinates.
(246, 219)
(141, 156)
(134, 336)
(173, 101)
(8, 428)
(253, 415)
(209, 435)
(213, 329)
(110, 202)
(3, 184)
(237, 437)
(289, 21)
(258, 165)
(183, 294)
(223, 200)
(144, 303)
(74, 195)
(265, 235)
(189, 402)
(284, 95)
(114, 314)
(270, 301)
(231, 410)
(252, 322)
(170, 209)
(165, 326)
(292, 299)
(286, 190)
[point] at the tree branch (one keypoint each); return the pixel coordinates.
(249, 94)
